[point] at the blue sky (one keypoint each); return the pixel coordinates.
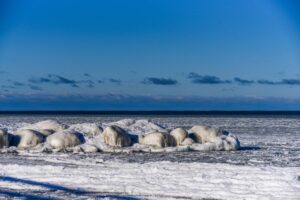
(149, 55)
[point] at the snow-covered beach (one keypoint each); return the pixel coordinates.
(266, 167)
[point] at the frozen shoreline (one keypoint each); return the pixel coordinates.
(84, 178)
(268, 168)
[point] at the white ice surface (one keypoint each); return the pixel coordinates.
(153, 180)
(268, 168)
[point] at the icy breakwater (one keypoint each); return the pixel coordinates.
(127, 135)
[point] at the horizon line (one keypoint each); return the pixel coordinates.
(153, 112)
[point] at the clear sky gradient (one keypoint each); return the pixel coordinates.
(149, 55)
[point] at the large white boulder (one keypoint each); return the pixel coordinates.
(216, 139)
(4, 141)
(29, 138)
(179, 134)
(231, 143)
(64, 139)
(93, 130)
(203, 134)
(116, 137)
(157, 139)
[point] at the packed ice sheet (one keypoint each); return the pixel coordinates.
(65, 176)
(267, 166)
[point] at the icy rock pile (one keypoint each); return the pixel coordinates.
(4, 141)
(116, 136)
(64, 139)
(126, 135)
(29, 138)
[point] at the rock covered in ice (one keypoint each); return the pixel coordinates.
(179, 134)
(64, 139)
(231, 143)
(147, 126)
(4, 140)
(203, 134)
(46, 132)
(49, 125)
(94, 130)
(214, 139)
(157, 139)
(124, 122)
(116, 137)
(141, 126)
(87, 148)
(89, 129)
(29, 138)
(187, 141)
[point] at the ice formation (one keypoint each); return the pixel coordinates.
(29, 138)
(231, 143)
(64, 139)
(157, 139)
(179, 134)
(137, 135)
(138, 127)
(4, 142)
(116, 137)
(214, 139)
(203, 134)
(89, 129)
(47, 126)
(187, 141)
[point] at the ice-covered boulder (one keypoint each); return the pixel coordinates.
(29, 138)
(116, 137)
(144, 125)
(140, 126)
(215, 139)
(231, 143)
(4, 141)
(64, 139)
(92, 130)
(124, 122)
(89, 148)
(50, 125)
(46, 132)
(203, 134)
(222, 143)
(157, 139)
(187, 141)
(88, 129)
(179, 134)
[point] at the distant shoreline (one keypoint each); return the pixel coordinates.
(156, 112)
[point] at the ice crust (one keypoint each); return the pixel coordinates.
(266, 167)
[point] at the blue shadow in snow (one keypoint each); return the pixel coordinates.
(53, 187)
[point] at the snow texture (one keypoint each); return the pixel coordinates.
(266, 166)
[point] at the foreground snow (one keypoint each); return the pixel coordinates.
(92, 177)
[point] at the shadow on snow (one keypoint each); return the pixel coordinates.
(52, 187)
